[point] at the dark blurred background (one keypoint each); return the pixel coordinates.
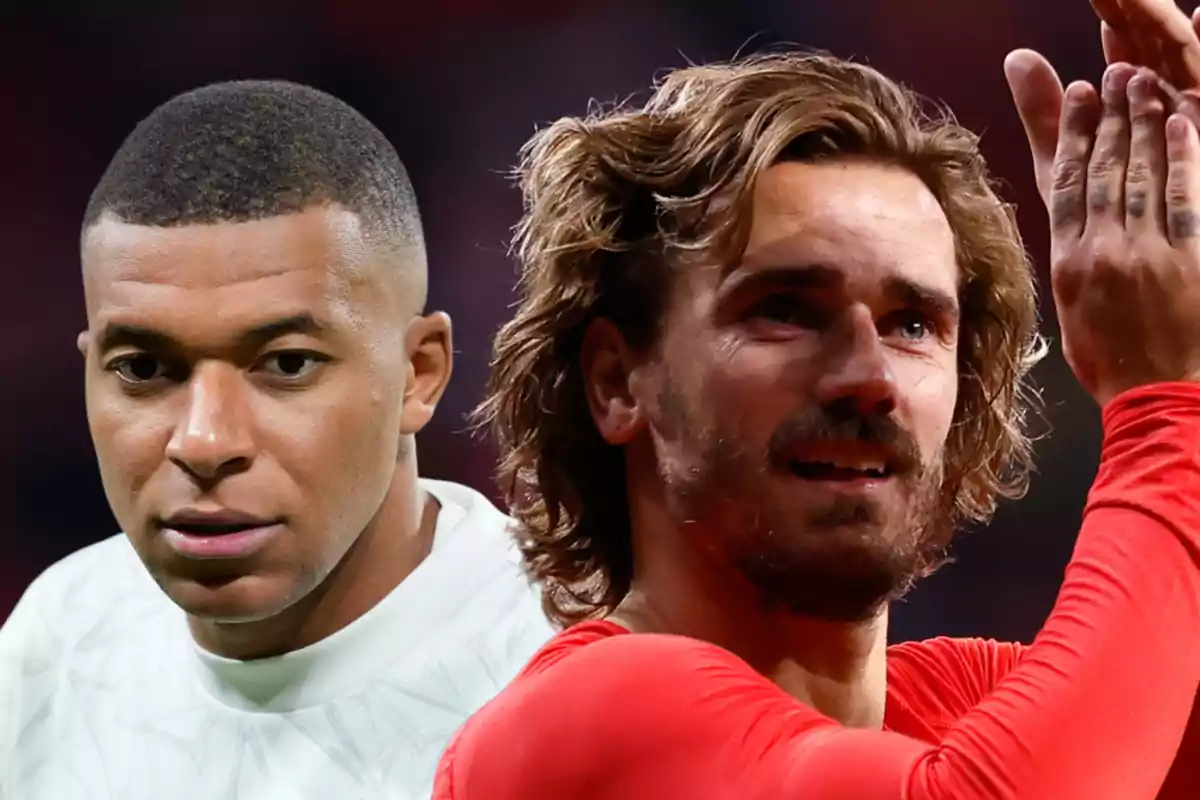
(458, 85)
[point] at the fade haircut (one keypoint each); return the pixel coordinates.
(616, 204)
(246, 150)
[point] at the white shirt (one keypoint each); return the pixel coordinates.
(104, 694)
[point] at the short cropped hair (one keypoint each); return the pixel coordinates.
(246, 150)
(617, 203)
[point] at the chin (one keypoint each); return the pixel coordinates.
(843, 567)
(237, 600)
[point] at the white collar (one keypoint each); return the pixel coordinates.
(470, 542)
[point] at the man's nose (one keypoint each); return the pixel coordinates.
(858, 377)
(212, 437)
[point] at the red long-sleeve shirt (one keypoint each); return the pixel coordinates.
(1094, 709)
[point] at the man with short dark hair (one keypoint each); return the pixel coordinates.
(258, 363)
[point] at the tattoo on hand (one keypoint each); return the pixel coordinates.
(1067, 210)
(1136, 204)
(1099, 201)
(1183, 224)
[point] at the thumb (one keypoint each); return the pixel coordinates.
(1117, 47)
(1037, 93)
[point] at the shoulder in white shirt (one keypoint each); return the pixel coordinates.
(103, 693)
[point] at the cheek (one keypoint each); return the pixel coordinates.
(130, 440)
(337, 442)
(745, 392)
(931, 397)
(761, 379)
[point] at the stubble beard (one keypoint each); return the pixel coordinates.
(842, 562)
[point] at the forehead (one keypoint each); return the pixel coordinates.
(867, 220)
(314, 260)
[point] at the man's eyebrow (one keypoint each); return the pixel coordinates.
(116, 334)
(910, 293)
(296, 323)
(905, 291)
(811, 276)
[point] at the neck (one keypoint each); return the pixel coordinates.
(836, 668)
(393, 544)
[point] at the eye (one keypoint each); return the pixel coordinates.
(137, 368)
(790, 309)
(292, 364)
(910, 325)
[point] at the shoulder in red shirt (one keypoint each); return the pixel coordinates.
(1094, 710)
(602, 708)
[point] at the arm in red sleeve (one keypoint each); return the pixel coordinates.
(939, 680)
(933, 683)
(1095, 708)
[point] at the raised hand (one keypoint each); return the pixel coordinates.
(1152, 33)
(1124, 201)
(1148, 33)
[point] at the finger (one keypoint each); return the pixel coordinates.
(1146, 175)
(1188, 105)
(1115, 29)
(1183, 182)
(1163, 32)
(1038, 95)
(1117, 46)
(1110, 153)
(1186, 102)
(1068, 183)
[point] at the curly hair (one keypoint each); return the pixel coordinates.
(615, 203)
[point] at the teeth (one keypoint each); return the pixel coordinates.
(873, 469)
(859, 466)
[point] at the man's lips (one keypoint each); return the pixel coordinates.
(841, 461)
(207, 534)
(215, 522)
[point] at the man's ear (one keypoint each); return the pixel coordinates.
(430, 347)
(83, 343)
(611, 370)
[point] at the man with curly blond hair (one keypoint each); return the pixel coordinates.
(772, 349)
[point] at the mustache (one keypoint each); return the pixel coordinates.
(820, 425)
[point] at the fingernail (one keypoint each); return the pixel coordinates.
(1177, 128)
(1139, 88)
(1076, 93)
(1113, 87)
(1110, 79)
(1116, 78)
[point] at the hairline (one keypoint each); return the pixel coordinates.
(407, 258)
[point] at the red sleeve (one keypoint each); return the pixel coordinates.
(933, 683)
(939, 680)
(1095, 709)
